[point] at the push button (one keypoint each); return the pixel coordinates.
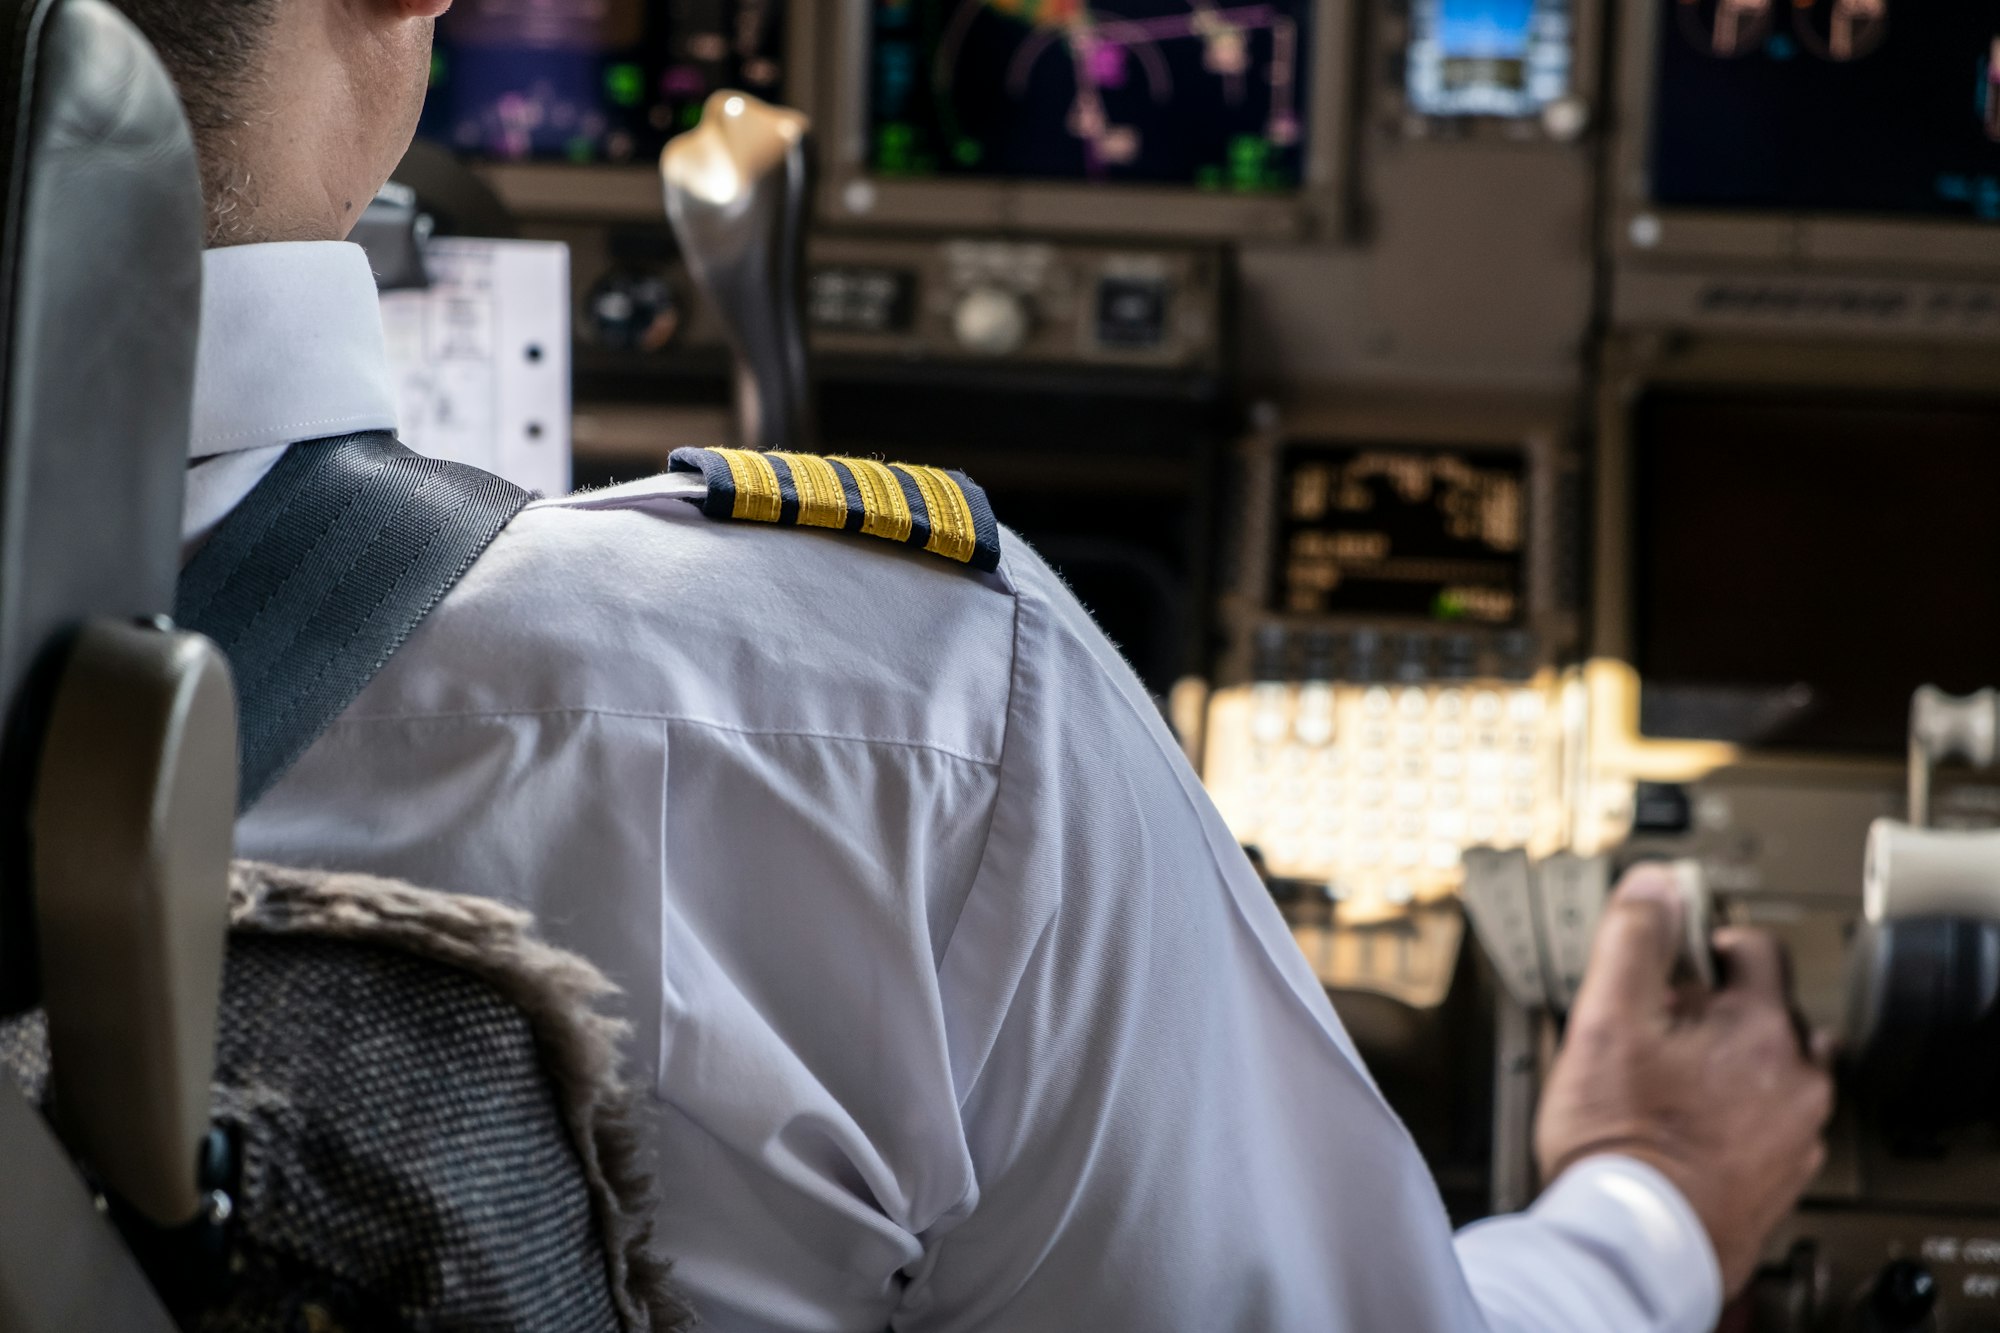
(1132, 313)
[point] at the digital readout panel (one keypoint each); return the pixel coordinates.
(1501, 58)
(1430, 534)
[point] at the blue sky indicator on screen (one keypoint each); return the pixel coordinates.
(1485, 29)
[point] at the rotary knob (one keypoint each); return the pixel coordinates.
(1903, 1298)
(634, 312)
(991, 321)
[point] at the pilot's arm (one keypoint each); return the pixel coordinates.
(1171, 1130)
(962, 1009)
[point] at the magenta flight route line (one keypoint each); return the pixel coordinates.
(1168, 27)
(1088, 32)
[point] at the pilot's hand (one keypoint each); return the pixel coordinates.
(1710, 1088)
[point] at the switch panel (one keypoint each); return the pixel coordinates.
(1887, 1273)
(1376, 791)
(1010, 302)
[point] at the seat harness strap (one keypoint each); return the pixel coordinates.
(315, 580)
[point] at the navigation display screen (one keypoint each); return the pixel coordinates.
(1176, 92)
(1424, 533)
(1801, 565)
(592, 80)
(1862, 106)
(1506, 58)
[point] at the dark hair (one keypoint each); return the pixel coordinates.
(211, 48)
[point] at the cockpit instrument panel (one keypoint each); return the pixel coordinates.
(1801, 565)
(1833, 106)
(1401, 533)
(1176, 92)
(592, 80)
(1496, 58)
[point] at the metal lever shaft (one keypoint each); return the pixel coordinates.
(737, 189)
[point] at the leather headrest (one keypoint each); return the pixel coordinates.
(100, 293)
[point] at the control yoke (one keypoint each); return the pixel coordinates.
(737, 189)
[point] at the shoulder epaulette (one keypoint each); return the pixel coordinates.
(929, 508)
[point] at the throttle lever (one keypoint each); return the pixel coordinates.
(1537, 920)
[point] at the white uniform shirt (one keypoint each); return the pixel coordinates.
(959, 1005)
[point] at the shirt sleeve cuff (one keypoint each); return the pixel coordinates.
(1629, 1244)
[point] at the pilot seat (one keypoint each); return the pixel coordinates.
(242, 1097)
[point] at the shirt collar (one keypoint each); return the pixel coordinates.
(291, 348)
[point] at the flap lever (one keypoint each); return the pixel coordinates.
(1945, 727)
(737, 190)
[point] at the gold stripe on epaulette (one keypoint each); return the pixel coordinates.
(757, 496)
(951, 517)
(822, 499)
(886, 512)
(945, 513)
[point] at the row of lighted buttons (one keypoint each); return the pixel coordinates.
(1319, 657)
(1286, 772)
(1403, 795)
(1440, 749)
(1316, 755)
(1375, 790)
(1482, 823)
(1410, 823)
(1299, 817)
(1411, 704)
(1313, 726)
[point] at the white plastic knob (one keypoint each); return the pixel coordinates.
(1944, 726)
(1565, 119)
(992, 321)
(1918, 872)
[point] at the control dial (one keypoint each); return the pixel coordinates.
(1726, 29)
(1841, 30)
(634, 312)
(1902, 1298)
(992, 321)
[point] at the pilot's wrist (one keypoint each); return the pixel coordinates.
(1631, 1206)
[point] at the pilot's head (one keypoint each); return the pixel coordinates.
(302, 107)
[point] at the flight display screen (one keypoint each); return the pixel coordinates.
(592, 80)
(1883, 579)
(1857, 106)
(1429, 534)
(1175, 92)
(1502, 58)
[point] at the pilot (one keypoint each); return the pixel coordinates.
(960, 1007)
